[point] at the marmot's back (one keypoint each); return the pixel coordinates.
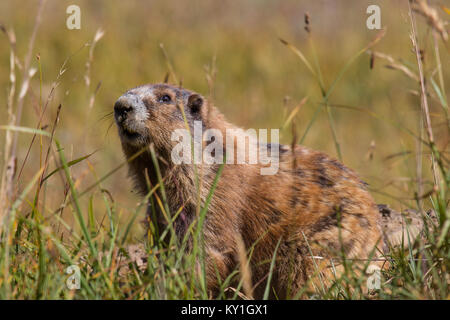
(314, 206)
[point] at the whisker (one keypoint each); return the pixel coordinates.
(106, 116)
(109, 127)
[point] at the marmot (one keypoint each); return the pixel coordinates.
(314, 206)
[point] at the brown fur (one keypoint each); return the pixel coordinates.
(314, 204)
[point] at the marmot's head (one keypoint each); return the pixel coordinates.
(150, 113)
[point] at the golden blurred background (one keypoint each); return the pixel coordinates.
(258, 80)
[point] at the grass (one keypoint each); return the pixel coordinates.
(63, 199)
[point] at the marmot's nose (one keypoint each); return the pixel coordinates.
(121, 109)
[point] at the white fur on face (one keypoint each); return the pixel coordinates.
(142, 91)
(134, 98)
(136, 120)
(140, 112)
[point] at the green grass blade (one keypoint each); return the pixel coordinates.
(269, 278)
(79, 214)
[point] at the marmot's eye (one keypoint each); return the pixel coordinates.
(165, 98)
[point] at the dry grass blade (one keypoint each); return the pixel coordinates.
(300, 55)
(425, 108)
(7, 181)
(6, 185)
(10, 162)
(395, 65)
(294, 112)
(244, 267)
(98, 35)
(238, 293)
(27, 74)
(168, 63)
(431, 14)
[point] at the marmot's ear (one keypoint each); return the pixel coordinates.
(195, 102)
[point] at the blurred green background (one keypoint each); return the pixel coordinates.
(258, 81)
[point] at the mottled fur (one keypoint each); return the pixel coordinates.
(314, 204)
